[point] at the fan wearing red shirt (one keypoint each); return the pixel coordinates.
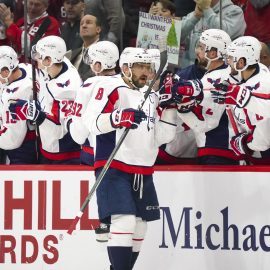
(36, 14)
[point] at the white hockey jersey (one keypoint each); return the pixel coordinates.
(249, 118)
(139, 150)
(15, 132)
(182, 149)
(209, 120)
(56, 98)
(259, 102)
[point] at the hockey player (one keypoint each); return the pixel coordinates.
(16, 137)
(183, 149)
(243, 56)
(58, 82)
(208, 121)
(102, 58)
(126, 196)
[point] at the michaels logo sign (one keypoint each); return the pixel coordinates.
(191, 233)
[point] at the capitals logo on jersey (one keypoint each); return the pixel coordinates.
(12, 90)
(255, 87)
(63, 85)
(87, 84)
(214, 82)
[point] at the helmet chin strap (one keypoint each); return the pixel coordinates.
(45, 68)
(6, 78)
(129, 78)
(209, 60)
(239, 69)
(94, 70)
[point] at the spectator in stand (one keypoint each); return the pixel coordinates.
(205, 16)
(90, 30)
(55, 9)
(112, 18)
(265, 55)
(257, 15)
(3, 38)
(240, 3)
(70, 30)
(36, 14)
(164, 8)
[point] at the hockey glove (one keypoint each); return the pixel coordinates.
(27, 110)
(232, 94)
(165, 92)
(128, 118)
(239, 144)
(191, 88)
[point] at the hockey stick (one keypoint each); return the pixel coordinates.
(40, 32)
(25, 37)
(163, 61)
(232, 120)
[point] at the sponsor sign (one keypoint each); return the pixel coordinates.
(209, 220)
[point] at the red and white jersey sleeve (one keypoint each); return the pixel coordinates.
(13, 132)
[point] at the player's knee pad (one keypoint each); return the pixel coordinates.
(139, 234)
(122, 230)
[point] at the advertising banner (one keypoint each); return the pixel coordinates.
(210, 220)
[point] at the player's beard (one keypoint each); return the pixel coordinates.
(202, 63)
(140, 82)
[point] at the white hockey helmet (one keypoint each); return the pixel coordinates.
(50, 46)
(105, 52)
(215, 38)
(8, 58)
(245, 47)
(131, 55)
(155, 53)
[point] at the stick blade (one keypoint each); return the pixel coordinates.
(74, 223)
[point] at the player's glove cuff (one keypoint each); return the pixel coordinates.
(128, 118)
(239, 144)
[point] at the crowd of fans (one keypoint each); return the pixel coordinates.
(82, 23)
